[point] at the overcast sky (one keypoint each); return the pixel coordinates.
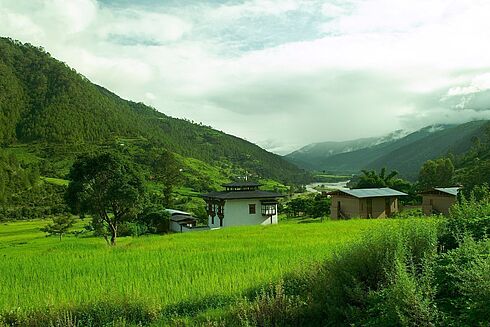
(282, 73)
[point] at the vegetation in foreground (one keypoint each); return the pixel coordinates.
(174, 275)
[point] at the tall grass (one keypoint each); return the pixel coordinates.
(174, 273)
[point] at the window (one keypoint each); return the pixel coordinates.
(269, 209)
(251, 209)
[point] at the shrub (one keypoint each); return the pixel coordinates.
(272, 307)
(470, 217)
(463, 283)
(354, 284)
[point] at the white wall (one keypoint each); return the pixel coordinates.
(236, 214)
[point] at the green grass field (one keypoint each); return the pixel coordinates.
(36, 271)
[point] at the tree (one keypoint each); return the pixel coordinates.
(108, 187)
(436, 173)
(166, 170)
(370, 179)
(59, 226)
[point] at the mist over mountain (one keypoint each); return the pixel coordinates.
(398, 150)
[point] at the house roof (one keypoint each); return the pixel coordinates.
(242, 184)
(369, 192)
(447, 190)
(255, 194)
(182, 218)
(173, 212)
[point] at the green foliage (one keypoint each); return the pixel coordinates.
(172, 274)
(370, 179)
(43, 100)
(155, 219)
(463, 284)
(271, 307)
(436, 173)
(470, 217)
(108, 187)
(60, 226)
(312, 205)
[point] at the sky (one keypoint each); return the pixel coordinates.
(279, 73)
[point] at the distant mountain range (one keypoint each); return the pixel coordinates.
(402, 151)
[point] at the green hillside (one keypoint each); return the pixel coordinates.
(57, 112)
(405, 154)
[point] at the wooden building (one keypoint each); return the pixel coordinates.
(364, 203)
(438, 200)
(241, 203)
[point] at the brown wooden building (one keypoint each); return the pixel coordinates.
(364, 203)
(438, 200)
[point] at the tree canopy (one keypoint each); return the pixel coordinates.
(436, 173)
(108, 187)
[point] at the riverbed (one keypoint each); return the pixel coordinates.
(334, 186)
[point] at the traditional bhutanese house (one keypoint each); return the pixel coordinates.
(438, 200)
(181, 221)
(241, 203)
(364, 203)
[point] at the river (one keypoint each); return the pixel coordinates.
(334, 186)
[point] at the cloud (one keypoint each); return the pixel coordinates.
(278, 73)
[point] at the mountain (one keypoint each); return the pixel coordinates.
(405, 154)
(46, 104)
(310, 155)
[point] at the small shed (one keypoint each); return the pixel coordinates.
(438, 200)
(181, 221)
(364, 203)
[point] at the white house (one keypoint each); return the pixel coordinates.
(241, 203)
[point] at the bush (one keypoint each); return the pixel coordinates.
(272, 307)
(355, 284)
(468, 218)
(463, 283)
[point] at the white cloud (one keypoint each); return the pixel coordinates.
(309, 70)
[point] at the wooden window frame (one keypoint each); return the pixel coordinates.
(252, 209)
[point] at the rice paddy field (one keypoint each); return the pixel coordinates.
(163, 271)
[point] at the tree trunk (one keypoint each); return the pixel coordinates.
(113, 234)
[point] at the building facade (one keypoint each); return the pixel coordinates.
(241, 203)
(439, 200)
(364, 203)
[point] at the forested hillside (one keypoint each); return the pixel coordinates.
(44, 101)
(406, 154)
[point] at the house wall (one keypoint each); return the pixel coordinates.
(440, 203)
(349, 206)
(174, 227)
(358, 208)
(236, 214)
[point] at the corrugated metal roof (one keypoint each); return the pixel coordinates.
(449, 190)
(371, 192)
(177, 212)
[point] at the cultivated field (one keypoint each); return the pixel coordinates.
(161, 271)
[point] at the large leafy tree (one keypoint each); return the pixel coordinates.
(371, 179)
(166, 170)
(108, 187)
(436, 173)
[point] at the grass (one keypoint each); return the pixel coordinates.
(37, 272)
(56, 181)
